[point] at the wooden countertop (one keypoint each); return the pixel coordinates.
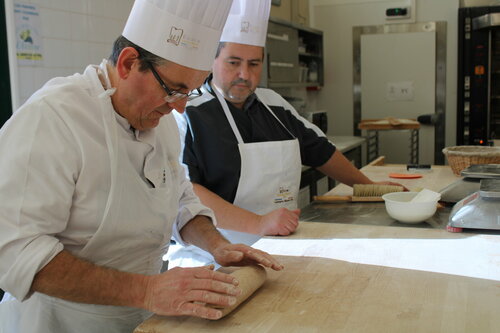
(436, 179)
(354, 278)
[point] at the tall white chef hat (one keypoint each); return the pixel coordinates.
(186, 32)
(247, 22)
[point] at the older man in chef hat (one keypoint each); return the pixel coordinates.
(244, 146)
(93, 191)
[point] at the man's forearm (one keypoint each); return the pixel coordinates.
(339, 168)
(228, 215)
(77, 280)
(201, 232)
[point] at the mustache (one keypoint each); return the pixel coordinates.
(241, 81)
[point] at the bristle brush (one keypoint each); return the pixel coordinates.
(362, 193)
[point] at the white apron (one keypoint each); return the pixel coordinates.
(269, 179)
(132, 236)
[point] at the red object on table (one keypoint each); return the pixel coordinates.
(405, 175)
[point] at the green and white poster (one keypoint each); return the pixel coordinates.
(29, 43)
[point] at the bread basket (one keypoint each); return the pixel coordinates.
(460, 157)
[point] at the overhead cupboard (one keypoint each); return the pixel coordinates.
(293, 55)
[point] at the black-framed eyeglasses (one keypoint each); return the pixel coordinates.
(173, 95)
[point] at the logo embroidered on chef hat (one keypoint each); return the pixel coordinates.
(175, 36)
(185, 32)
(247, 22)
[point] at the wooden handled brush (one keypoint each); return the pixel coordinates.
(362, 193)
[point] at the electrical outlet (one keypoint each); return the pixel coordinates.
(400, 91)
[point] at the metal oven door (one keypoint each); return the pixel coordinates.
(478, 116)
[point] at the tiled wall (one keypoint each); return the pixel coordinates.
(75, 33)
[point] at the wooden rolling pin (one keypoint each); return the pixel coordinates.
(250, 278)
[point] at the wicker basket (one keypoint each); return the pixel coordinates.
(460, 157)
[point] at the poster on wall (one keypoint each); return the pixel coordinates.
(29, 43)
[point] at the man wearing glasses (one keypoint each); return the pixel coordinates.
(93, 191)
(173, 95)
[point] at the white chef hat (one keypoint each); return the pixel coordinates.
(247, 22)
(186, 32)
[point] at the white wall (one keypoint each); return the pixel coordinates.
(75, 33)
(337, 18)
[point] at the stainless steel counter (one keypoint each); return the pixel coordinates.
(370, 213)
(374, 213)
(346, 143)
(343, 143)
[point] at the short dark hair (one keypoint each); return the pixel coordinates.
(223, 44)
(219, 48)
(145, 57)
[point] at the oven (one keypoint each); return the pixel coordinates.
(478, 113)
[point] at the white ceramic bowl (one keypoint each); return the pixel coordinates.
(399, 207)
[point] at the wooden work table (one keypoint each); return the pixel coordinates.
(437, 178)
(359, 278)
(374, 213)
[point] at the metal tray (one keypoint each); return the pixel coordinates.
(482, 171)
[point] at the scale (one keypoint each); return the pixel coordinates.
(481, 209)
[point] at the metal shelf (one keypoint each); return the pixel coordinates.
(290, 48)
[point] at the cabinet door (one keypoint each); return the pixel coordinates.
(282, 60)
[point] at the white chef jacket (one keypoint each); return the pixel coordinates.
(56, 180)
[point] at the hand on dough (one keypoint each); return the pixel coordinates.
(191, 292)
(243, 255)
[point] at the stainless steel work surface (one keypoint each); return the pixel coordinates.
(374, 213)
(343, 143)
(371, 213)
(346, 143)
